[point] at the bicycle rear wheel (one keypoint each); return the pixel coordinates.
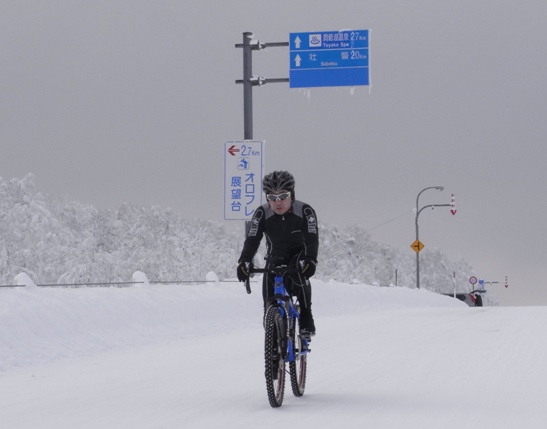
(299, 366)
(274, 370)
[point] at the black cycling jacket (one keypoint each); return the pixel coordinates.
(286, 235)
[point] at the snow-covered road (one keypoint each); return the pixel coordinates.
(191, 357)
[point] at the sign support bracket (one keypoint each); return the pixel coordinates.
(249, 81)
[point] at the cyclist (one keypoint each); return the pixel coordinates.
(291, 231)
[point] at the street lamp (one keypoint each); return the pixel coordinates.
(418, 210)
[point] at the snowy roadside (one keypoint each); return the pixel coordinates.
(40, 325)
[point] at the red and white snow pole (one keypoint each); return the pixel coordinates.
(453, 205)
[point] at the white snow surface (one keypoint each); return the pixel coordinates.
(191, 356)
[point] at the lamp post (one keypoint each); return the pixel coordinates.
(418, 210)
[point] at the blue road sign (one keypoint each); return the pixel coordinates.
(329, 58)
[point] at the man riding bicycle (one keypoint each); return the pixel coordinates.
(291, 231)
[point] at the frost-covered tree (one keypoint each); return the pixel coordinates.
(57, 240)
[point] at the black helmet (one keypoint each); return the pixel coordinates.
(278, 180)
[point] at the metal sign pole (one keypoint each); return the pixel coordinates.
(247, 87)
(248, 83)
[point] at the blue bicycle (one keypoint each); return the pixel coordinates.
(283, 341)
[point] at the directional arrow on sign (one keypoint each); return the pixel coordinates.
(232, 150)
(297, 60)
(297, 42)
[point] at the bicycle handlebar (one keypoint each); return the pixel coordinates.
(278, 270)
(248, 285)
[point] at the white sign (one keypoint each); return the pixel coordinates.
(243, 172)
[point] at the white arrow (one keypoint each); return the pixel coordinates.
(297, 60)
(297, 42)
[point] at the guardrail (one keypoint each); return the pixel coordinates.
(120, 284)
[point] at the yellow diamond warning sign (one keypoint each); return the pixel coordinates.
(417, 246)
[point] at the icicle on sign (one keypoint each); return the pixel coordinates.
(243, 172)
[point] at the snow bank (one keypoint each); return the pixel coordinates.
(41, 324)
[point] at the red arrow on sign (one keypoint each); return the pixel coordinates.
(232, 150)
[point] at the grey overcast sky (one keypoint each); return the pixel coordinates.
(132, 101)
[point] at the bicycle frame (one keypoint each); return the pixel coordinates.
(285, 304)
(283, 341)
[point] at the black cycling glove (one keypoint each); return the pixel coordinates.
(243, 270)
(308, 267)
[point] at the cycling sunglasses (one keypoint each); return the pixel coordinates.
(278, 197)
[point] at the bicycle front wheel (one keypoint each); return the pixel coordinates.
(299, 365)
(274, 370)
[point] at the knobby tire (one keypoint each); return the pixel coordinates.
(298, 367)
(274, 361)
